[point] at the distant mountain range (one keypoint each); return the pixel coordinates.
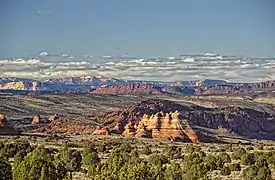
(100, 84)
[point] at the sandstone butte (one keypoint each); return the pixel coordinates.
(161, 126)
(101, 131)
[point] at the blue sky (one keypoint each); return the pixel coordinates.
(139, 27)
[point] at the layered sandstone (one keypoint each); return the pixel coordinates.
(101, 131)
(127, 89)
(160, 126)
(118, 129)
(130, 130)
(142, 131)
(21, 85)
(2, 120)
(36, 119)
(53, 117)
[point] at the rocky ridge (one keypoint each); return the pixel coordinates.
(236, 120)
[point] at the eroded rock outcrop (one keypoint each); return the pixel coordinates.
(36, 119)
(2, 120)
(130, 130)
(53, 117)
(127, 89)
(118, 129)
(101, 131)
(142, 131)
(161, 126)
(5, 127)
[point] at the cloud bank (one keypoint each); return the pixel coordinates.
(163, 69)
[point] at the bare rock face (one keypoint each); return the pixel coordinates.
(36, 119)
(165, 126)
(246, 122)
(118, 129)
(127, 89)
(130, 130)
(142, 132)
(101, 131)
(2, 120)
(161, 126)
(5, 127)
(53, 117)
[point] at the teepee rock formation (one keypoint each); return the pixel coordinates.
(142, 132)
(101, 131)
(36, 119)
(2, 120)
(191, 134)
(118, 129)
(161, 126)
(130, 130)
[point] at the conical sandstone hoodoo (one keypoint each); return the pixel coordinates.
(36, 119)
(118, 129)
(142, 132)
(163, 126)
(101, 131)
(2, 120)
(130, 130)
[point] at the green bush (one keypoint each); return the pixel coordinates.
(225, 171)
(238, 152)
(248, 159)
(235, 167)
(146, 150)
(5, 170)
(36, 165)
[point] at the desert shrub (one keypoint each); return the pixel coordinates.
(146, 150)
(248, 159)
(173, 171)
(36, 165)
(225, 171)
(101, 148)
(235, 167)
(90, 158)
(192, 148)
(69, 159)
(125, 147)
(156, 159)
(88, 147)
(224, 157)
(257, 171)
(238, 152)
(210, 162)
(259, 146)
(157, 172)
(249, 148)
(5, 170)
(250, 173)
(271, 160)
(19, 157)
(2, 145)
(11, 148)
(195, 171)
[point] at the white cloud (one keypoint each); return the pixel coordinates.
(172, 69)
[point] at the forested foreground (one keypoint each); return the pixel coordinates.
(20, 160)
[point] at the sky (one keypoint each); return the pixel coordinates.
(146, 28)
